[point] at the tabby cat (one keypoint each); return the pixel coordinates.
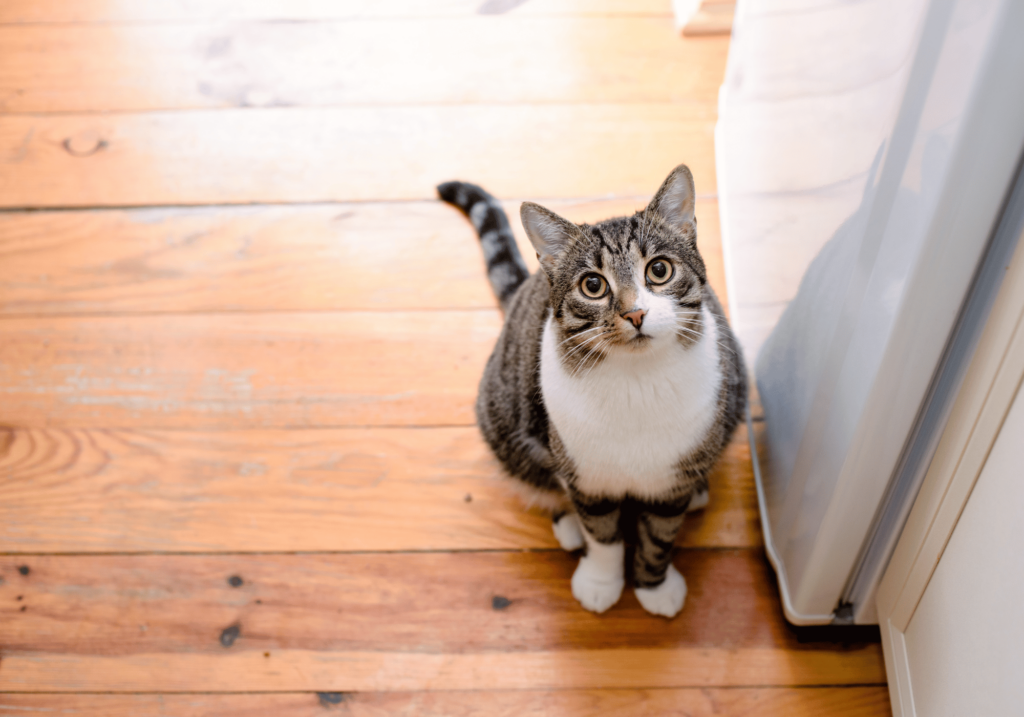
(615, 384)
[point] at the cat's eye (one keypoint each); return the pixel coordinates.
(594, 286)
(659, 271)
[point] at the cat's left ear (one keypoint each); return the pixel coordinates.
(548, 232)
(674, 201)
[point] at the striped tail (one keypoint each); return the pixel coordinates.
(505, 266)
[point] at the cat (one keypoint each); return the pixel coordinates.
(615, 384)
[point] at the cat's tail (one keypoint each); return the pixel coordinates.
(505, 266)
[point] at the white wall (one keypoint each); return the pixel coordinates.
(965, 643)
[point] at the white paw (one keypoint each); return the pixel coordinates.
(698, 501)
(567, 531)
(666, 599)
(596, 588)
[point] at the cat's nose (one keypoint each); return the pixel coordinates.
(636, 317)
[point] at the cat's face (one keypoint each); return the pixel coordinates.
(628, 284)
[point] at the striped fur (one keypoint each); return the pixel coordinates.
(505, 267)
(611, 407)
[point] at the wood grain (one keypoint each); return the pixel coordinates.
(732, 519)
(127, 11)
(282, 392)
(87, 68)
(292, 490)
(383, 671)
(244, 370)
(362, 256)
(392, 622)
(400, 602)
(736, 702)
(354, 154)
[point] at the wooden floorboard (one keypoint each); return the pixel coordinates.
(357, 256)
(346, 154)
(245, 370)
(126, 11)
(89, 68)
(239, 347)
(302, 670)
(739, 702)
(375, 622)
(291, 490)
(441, 603)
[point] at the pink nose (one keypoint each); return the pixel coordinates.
(635, 317)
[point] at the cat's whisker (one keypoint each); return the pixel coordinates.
(688, 318)
(584, 371)
(689, 337)
(688, 330)
(687, 315)
(593, 352)
(595, 349)
(594, 365)
(720, 344)
(691, 332)
(579, 366)
(581, 333)
(582, 344)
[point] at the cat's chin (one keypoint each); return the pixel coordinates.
(639, 343)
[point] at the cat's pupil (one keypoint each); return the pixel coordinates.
(659, 269)
(593, 285)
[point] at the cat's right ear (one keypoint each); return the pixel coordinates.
(548, 232)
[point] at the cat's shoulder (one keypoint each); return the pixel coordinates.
(531, 301)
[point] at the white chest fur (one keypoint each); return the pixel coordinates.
(627, 422)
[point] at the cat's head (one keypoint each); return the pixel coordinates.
(625, 284)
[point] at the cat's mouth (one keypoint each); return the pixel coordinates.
(638, 340)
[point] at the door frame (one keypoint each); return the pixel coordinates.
(987, 393)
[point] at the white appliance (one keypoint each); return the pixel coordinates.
(870, 194)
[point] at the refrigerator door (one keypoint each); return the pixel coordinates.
(865, 152)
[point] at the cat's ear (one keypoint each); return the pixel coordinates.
(674, 201)
(548, 232)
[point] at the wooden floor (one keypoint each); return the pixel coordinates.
(239, 347)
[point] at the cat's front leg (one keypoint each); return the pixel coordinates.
(599, 577)
(567, 530)
(660, 588)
